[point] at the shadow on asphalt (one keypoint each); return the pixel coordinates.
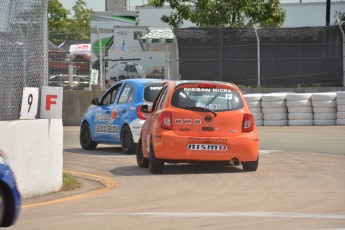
(103, 151)
(176, 169)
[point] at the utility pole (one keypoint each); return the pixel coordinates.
(328, 12)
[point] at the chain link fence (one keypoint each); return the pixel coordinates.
(250, 57)
(134, 52)
(69, 61)
(21, 52)
(138, 58)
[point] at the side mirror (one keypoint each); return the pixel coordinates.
(144, 109)
(94, 101)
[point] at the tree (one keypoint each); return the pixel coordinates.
(81, 20)
(220, 13)
(62, 27)
(58, 22)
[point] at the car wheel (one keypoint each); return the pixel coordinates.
(141, 161)
(250, 166)
(2, 209)
(128, 145)
(85, 138)
(155, 165)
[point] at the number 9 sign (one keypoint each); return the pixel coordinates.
(29, 103)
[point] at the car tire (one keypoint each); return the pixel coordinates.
(156, 165)
(127, 143)
(2, 208)
(250, 166)
(141, 161)
(85, 138)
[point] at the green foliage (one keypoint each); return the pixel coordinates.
(61, 27)
(150, 3)
(70, 182)
(341, 16)
(221, 13)
(58, 22)
(81, 20)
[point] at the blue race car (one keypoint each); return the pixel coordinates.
(116, 118)
(10, 198)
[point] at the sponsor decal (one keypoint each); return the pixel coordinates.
(185, 129)
(197, 89)
(213, 106)
(197, 121)
(222, 90)
(156, 87)
(207, 147)
(102, 117)
(178, 121)
(114, 115)
(107, 128)
(207, 90)
(187, 121)
(208, 139)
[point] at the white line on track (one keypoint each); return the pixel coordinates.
(225, 214)
(263, 151)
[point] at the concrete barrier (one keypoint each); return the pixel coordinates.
(34, 151)
(74, 105)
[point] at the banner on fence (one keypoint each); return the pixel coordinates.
(94, 77)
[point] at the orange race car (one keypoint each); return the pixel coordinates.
(195, 121)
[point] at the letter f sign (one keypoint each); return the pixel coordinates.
(50, 100)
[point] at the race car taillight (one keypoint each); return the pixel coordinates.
(248, 122)
(166, 120)
(141, 115)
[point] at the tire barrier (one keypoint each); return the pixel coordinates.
(340, 115)
(304, 109)
(254, 104)
(298, 109)
(340, 108)
(324, 108)
(274, 109)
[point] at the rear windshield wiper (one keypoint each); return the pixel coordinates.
(200, 109)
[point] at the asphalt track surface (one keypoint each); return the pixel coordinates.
(300, 184)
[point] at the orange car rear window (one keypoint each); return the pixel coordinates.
(216, 99)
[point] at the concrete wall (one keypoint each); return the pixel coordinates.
(34, 151)
(74, 105)
(76, 102)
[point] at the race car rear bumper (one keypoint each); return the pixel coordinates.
(169, 146)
